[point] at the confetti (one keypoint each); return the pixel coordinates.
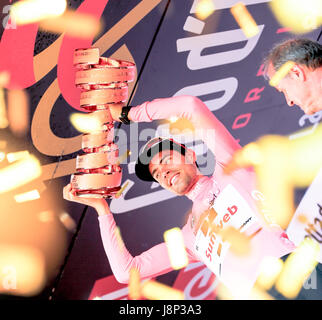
(19, 173)
(298, 266)
(154, 290)
(244, 20)
(46, 216)
(173, 119)
(299, 16)
(302, 218)
(30, 11)
(18, 111)
(27, 196)
(134, 284)
(281, 73)
(74, 24)
(119, 193)
(270, 269)
(204, 9)
(239, 243)
(23, 270)
(119, 239)
(14, 156)
(176, 248)
(123, 157)
(85, 122)
(67, 221)
(3, 111)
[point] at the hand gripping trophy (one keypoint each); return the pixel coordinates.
(102, 81)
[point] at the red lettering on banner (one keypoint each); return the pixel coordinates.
(282, 30)
(197, 282)
(253, 95)
(242, 124)
(65, 69)
(261, 71)
(109, 288)
(17, 54)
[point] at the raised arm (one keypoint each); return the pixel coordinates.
(207, 127)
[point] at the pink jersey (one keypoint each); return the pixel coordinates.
(269, 241)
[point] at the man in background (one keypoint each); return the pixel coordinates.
(303, 84)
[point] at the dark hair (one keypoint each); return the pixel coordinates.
(153, 147)
(301, 51)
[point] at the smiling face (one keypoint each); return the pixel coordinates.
(301, 87)
(174, 171)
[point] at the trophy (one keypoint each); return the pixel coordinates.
(103, 82)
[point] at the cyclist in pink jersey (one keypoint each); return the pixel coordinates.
(174, 167)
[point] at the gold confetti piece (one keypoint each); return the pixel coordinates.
(46, 216)
(223, 293)
(27, 196)
(244, 20)
(14, 156)
(67, 221)
(119, 239)
(253, 154)
(3, 111)
(75, 24)
(270, 269)
(249, 155)
(23, 270)
(30, 11)
(281, 73)
(298, 266)
(173, 119)
(18, 111)
(293, 163)
(85, 122)
(204, 9)
(302, 218)
(2, 156)
(154, 290)
(123, 157)
(4, 78)
(300, 16)
(176, 248)
(119, 193)
(19, 173)
(134, 284)
(239, 243)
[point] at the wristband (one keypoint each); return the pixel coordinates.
(124, 115)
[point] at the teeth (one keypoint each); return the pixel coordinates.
(173, 179)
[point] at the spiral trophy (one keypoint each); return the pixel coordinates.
(103, 82)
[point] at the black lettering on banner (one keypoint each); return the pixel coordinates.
(314, 230)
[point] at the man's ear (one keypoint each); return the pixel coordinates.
(298, 73)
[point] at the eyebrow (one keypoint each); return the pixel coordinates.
(153, 172)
